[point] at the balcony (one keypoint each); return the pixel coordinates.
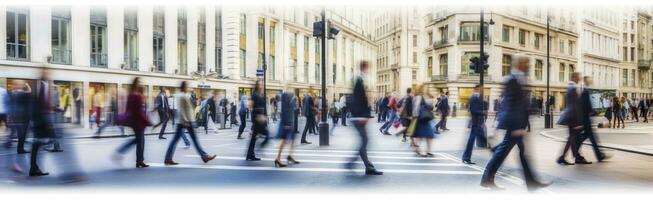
(644, 64)
(472, 77)
(440, 43)
(438, 78)
(61, 56)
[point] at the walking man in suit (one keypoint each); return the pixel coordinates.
(307, 110)
(588, 112)
(444, 108)
(163, 109)
(477, 109)
(572, 118)
(513, 118)
(360, 115)
(343, 109)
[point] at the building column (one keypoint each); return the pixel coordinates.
(80, 24)
(210, 38)
(192, 17)
(145, 37)
(115, 36)
(40, 33)
(3, 31)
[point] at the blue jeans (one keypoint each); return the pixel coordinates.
(392, 118)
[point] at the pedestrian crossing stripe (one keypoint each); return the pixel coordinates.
(369, 156)
(345, 162)
(316, 169)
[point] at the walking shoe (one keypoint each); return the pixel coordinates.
(582, 162)
(536, 185)
(170, 162)
(491, 185)
(373, 172)
(208, 158)
(562, 161)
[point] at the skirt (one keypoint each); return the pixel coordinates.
(424, 129)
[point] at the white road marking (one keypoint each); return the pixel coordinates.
(295, 169)
(369, 156)
(344, 161)
(222, 145)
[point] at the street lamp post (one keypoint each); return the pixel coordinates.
(548, 118)
(323, 127)
(481, 54)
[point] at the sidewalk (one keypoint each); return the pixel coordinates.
(635, 138)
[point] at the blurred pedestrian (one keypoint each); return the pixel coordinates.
(617, 106)
(242, 113)
(587, 113)
(162, 108)
(19, 113)
(391, 113)
(135, 118)
(443, 107)
(344, 109)
(513, 119)
(423, 113)
(97, 106)
(572, 118)
(643, 107)
(478, 112)
(285, 132)
(360, 111)
(111, 115)
(308, 110)
(185, 121)
(259, 120)
(405, 114)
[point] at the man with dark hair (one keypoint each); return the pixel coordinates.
(587, 113)
(360, 115)
(478, 111)
(572, 118)
(443, 107)
(163, 109)
(308, 111)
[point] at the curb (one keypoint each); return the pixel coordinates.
(617, 147)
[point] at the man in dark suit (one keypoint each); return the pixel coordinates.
(513, 117)
(360, 114)
(643, 107)
(382, 108)
(572, 118)
(477, 109)
(443, 107)
(19, 116)
(163, 109)
(307, 110)
(588, 112)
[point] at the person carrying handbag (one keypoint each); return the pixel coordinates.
(423, 115)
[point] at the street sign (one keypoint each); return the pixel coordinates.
(259, 72)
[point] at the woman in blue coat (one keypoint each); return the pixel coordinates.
(286, 133)
(422, 112)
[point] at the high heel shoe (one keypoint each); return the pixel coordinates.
(141, 165)
(278, 163)
(292, 160)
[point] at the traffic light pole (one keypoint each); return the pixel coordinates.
(265, 73)
(481, 62)
(548, 118)
(323, 127)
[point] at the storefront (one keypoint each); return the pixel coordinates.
(69, 96)
(464, 93)
(102, 97)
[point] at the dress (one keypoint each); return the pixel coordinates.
(423, 128)
(286, 117)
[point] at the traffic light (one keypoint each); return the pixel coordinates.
(318, 29)
(479, 61)
(483, 60)
(474, 63)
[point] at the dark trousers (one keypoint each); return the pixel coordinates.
(296, 124)
(36, 145)
(571, 143)
(21, 133)
(442, 124)
(343, 114)
(243, 123)
(78, 112)
(588, 133)
(634, 112)
(256, 130)
(163, 122)
(645, 115)
(139, 141)
(476, 133)
(362, 148)
(309, 126)
(178, 134)
(501, 152)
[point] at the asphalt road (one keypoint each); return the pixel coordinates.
(322, 168)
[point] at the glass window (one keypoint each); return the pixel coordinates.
(182, 48)
(98, 37)
(506, 63)
(444, 64)
(158, 40)
(182, 57)
(538, 70)
(429, 67)
(414, 40)
(470, 31)
(466, 70)
(131, 39)
(60, 40)
(201, 41)
(306, 72)
(522, 37)
(571, 70)
(272, 68)
(538, 40)
(561, 73)
(243, 69)
(17, 34)
(243, 24)
(506, 33)
(218, 41)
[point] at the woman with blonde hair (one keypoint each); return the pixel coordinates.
(423, 114)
